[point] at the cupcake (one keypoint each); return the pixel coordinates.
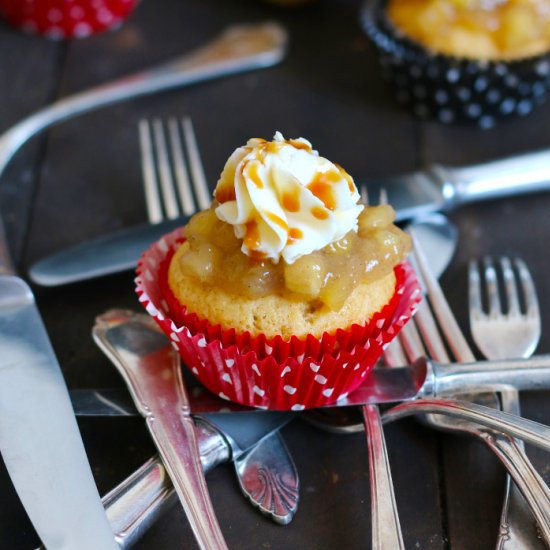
(286, 291)
(473, 61)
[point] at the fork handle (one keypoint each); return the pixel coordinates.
(239, 48)
(529, 482)
(386, 529)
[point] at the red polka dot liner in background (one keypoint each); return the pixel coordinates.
(66, 18)
(271, 373)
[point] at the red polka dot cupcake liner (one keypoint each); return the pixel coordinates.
(66, 18)
(272, 373)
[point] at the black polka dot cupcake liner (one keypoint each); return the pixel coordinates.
(450, 89)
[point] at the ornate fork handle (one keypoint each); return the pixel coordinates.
(529, 482)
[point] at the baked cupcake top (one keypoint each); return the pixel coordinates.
(286, 222)
(476, 29)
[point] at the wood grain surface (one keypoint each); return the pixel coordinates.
(82, 179)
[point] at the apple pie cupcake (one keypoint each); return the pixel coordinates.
(473, 61)
(286, 291)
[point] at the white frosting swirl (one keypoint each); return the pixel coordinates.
(283, 199)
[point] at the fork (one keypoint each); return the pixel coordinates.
(193, 492)
(425, 331)
(175, 187)
(386, 528)
(500, 335)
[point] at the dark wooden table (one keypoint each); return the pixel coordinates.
(82, 179)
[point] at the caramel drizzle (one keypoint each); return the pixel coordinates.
(319, 212)
(291, 201)
(225, 193)
(347, 177)
(252, 172)
(294, 234)
(321, 187)
(277, 220)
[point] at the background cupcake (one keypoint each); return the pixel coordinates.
(285, 293)
(463, 60)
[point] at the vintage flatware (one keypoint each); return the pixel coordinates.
(412, 195)
(444, 187)
(39, 438)
(121, 250)
(239, 48)
(422, 379)
(500, 334)
(157, 388)
(138, 501)
(175, 184)
(385, 524)
(530, 483)
(438, 237)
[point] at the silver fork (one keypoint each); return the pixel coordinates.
(513, 457)
(175, 187)
(385, 525)
(507, 335)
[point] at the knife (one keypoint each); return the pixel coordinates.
(437, 188)
(39, 438)
(422, 380)
(138, 501)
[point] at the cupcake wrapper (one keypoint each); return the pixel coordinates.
(271, 373)
(451, 89)
(66, 18)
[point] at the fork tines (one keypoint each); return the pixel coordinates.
(173, 185)
(518, 288)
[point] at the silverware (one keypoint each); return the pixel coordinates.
(39, 438)
(138, 501)
(174, 186)
(444, 187)
(157, 388)
(386, 529)
(500, 335)
(530, 483)
(385, 524)
(422, 379)
(121, 250)
(239, 48)
(438, 237)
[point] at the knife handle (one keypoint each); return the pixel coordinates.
(522, 374)
(138, 501)
(525, 173)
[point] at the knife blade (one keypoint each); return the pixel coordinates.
(423, 379)
(436, 188)
(39, 437)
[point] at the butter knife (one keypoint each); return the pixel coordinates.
(412, 195)
(39, 438)
(158, 392)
